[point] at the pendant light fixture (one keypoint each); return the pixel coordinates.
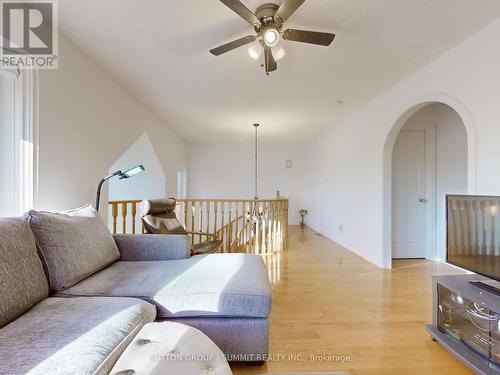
(253, 216)
(256, 176)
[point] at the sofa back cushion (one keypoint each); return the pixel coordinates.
(22, 280)
(73, 245)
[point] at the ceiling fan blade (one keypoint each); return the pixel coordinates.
(312, 37)
(241, 10)
(233, 45)
(288, 8)
(270, 62)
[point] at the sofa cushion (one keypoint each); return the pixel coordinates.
(22, 281)
(221, 285)
(74, 244)
(75, 336)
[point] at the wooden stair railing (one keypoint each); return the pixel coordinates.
(247, 225)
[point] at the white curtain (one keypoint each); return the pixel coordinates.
(18, 141)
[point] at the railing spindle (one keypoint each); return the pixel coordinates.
(184, 219)
(124, 217)
(236, 226)
(216, 205)
(193, 209)
(222, 223)
(114, 214)
(200, 221)
(207, 207)
(134, 214)
(229, 231)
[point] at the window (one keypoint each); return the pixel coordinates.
(18, 151)
(181, 191)
(181, 184)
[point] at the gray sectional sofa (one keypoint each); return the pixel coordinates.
(73, 297)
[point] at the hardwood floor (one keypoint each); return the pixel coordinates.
(328, 301)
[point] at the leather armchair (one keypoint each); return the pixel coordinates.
(158, 217)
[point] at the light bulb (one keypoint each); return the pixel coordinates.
(271, 37)
(255, 51)
(278, 53)
(493, 210)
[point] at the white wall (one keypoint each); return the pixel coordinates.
(87, 121)
(150, 184)
(349, 166)
(450, 161)
(226, 170)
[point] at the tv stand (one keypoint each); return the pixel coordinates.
(491, 286)
(466, 321)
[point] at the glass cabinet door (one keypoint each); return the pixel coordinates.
(470, 323)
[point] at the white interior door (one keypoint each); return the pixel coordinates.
(409, 200)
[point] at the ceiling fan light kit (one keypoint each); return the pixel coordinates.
(268, 22)
(279, 53)
(271, 37)
(255, 51)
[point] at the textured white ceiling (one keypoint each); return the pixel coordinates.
(159, 50)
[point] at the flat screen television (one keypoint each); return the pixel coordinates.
(473, 234)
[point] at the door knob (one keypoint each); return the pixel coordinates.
(422, 200)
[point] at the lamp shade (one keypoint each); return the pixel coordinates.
(255, 51)
(278, 53)
(121, 175)
(132, 172)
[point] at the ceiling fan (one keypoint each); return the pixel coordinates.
(268, 22)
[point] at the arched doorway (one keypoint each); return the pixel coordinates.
(429, 153)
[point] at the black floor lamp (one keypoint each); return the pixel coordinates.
(122, 176)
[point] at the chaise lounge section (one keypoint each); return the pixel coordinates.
(227, 296)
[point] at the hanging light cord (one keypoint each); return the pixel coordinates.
(256, 196)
